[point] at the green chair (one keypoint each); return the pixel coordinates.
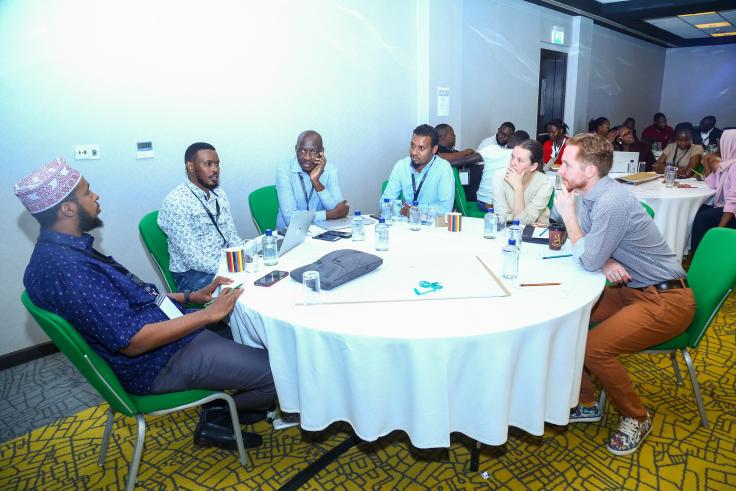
(711, 277)
(156, 242)
(99, 374)
(264, 207)
(648, 209)
(467, 208)
(551, 201)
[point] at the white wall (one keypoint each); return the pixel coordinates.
(244, 76)
(698, 82)
(625, 78)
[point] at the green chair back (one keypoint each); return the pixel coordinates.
(648, 209)
(461, 203)
(157, 244)
(264, 208)
(551, 201)
(383, 186)
(711, 276)
(97, 372)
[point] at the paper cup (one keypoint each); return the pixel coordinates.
(557, 236)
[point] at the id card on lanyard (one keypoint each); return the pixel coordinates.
(167, 306)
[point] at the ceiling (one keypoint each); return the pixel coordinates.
(669, 23)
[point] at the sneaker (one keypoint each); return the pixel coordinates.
(584, 414)
(287, 420)
(631, 432)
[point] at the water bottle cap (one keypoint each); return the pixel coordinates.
(268, 232)
(381, 220)
(415, 203)
(515, 221)
(512, 241)
(490, 209)
(357, 213)
(386, 200)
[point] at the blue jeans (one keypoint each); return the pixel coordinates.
(192, 280)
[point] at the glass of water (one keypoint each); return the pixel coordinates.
(250, 256)
(670, 176)
(312, 288)
(431, 216)
(396, 212)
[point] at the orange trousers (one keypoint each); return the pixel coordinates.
(630, 321)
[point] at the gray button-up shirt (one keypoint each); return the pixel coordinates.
(616, 226)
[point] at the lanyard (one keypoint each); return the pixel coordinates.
(676, 162)
(304, 190)
(214, 218)
(556, 148)
(416, 189)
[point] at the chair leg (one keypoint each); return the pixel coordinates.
(474, 455)
(236, 426)
(106, 437)
(137, 453)
(696, 387)
(602, 400)
(678, 375)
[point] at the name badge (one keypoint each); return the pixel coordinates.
(167, 306)
(464, 177)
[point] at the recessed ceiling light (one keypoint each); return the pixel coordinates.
(712, 25)
(699, 13)
(721, 34)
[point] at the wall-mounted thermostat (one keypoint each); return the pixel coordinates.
(144, 150)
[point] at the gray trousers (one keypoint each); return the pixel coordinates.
(212, 362)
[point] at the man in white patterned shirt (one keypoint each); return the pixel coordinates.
(196, 218)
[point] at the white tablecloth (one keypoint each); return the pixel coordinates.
(426, 367)
(674, 209)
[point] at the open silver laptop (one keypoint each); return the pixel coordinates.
(339, 223)
(296, 232)
(621, 161)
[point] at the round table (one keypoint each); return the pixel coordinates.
(426, 366)
(674, 209)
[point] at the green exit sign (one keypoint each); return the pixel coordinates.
(558, 36)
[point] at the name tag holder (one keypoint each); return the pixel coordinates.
(167, 306)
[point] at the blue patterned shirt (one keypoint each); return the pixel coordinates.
(102, 303)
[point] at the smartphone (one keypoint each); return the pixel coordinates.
(327, 236)
(344, 235)
(271, 278)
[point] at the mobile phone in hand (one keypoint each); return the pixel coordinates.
(271, 278)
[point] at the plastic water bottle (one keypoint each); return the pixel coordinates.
(386, 208)
(490, 224)
(270, 249)
(515, 231)
(510, 260)
(358, 227)
(382, 235)
(415, 221)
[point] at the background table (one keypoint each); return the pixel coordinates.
(427, 367)
(674, 209)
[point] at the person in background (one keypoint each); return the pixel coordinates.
(467, 160)
(150, 342)
(721, 176)
(625, 141)
(681, 153)
(306, 182)
(630, 123)
(495, 160)
(524, 191)
(649, 302)
(599, 126)
(422, 176)
(197, 220)
(658, 133)
(501, 138)
(706, 133)
(552, 151)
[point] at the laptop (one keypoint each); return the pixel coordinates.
(295, 233)
(621, 161)
(339, 223)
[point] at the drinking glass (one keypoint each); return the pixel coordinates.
(670, 175)
(250, 251)
(312, 288)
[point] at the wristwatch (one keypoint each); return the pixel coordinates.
(186, 296)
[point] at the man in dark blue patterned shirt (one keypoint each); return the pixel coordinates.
(151, 343)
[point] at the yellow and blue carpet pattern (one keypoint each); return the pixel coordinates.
(679, 454)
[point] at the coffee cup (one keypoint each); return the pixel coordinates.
(557, 236)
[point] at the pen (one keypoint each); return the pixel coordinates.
(544, 232)
(234, 288)
(555, 257)
(539, 284)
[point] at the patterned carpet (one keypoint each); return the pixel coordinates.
(679, 454)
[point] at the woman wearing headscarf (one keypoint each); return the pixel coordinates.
(721, 176)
